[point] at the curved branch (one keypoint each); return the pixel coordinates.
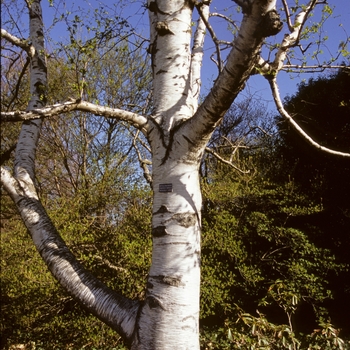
(138, 121)
(118, 312)
(228, 19)
(285, 114)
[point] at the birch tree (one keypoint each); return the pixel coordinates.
(177, 131)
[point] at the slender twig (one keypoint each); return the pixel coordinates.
(26, 64)
(286, 10)
(143, 162)
(228, 19)
(216, 155)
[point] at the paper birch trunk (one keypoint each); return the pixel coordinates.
(177, 132)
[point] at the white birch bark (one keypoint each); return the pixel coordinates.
(177, 132)
(170, 316)
(270, 69)
(29, 135)
(116, 311)
(171, 59)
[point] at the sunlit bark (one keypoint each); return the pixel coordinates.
(177, 131)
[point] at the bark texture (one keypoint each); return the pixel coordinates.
(178, 132)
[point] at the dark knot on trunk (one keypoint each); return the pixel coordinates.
(271, 24)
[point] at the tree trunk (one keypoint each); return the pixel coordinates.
(177, 131)
(170, 314)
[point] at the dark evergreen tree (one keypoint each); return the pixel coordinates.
(322, 108)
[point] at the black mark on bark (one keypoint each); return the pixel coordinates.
(271, 24)
(162, 28)
(153, 303)
(159, 231)
(174, 281)
(162, 210)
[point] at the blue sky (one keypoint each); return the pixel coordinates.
(336, 29)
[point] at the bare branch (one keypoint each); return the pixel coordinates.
(228, 19)
(288, 17)
(144, 163)
(213, 36)
(311, 68)
(197, 55)
(228, 162)
(285, 114)
(138, 121)
(22, 43)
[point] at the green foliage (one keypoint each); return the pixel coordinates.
(36, 311)
(273, 254)
(258, 253)
(87, 179)
(250, 332)
(266, 283)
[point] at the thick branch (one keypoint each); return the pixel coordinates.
(138, 121)
(22, 43)
(113, 309)
(231, 80)
(197, 55)
(204, 18)
(24, 163)
(286, 115)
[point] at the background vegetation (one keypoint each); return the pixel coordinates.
(275, 262)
